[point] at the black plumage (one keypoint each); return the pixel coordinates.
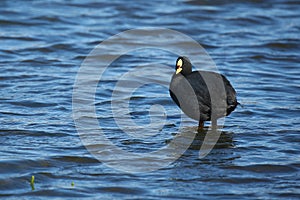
(201, 95)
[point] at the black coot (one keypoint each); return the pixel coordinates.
(201, 95)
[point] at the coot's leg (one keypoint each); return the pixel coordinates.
(214, 124)
(200, 126)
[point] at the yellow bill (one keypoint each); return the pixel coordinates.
(178, 70)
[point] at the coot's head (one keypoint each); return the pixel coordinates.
(183, 66)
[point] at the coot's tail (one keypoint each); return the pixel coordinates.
(239, 104)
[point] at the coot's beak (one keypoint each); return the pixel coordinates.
(179, 66)
(178, 70)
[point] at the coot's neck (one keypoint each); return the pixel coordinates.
(186, 70)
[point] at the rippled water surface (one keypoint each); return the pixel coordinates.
(254, 43)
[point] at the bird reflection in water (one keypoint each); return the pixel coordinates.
(207, 138)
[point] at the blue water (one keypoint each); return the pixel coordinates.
(256, 44)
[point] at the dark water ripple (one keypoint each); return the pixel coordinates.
(254, 43)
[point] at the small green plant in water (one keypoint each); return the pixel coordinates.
(32, 182)
(72, 184)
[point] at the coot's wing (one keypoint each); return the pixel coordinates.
(200, 88)
(214, 91)
(231, 96)
(219, 91)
